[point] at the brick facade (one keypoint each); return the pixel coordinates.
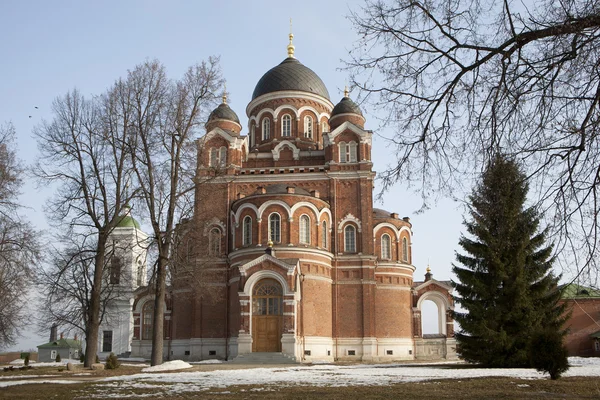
(294, 206)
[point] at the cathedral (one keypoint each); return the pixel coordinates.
(285, 252)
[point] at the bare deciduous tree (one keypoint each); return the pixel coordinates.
(462, 79)
(167, 115)
(19, 246)
(84, 151)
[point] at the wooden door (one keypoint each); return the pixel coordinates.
(267, 316)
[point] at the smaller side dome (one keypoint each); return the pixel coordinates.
(346, 110)
(346, 106)
(223, 111)
(224, 117)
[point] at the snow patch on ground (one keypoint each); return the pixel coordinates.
(168, 366)
(25, 382)
(207, 362)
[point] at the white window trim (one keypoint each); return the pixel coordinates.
(246, 231)
(212, 243)
(404, 249)
(286, 118)
(304, 231)
(386, 252)
(347, 248)
(266, 129)
(308, 127)
(278, 236)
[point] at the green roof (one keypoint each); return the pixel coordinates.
(62, 343)
(575, 291)
(128, 222)
(595, 335)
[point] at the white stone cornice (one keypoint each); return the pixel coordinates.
(289, 268)
(433, 281)
(296, 94)
(364, 135)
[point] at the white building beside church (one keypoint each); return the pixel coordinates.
(126, 271)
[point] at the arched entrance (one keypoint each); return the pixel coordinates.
(267, 316)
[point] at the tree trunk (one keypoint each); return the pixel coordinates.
(159, 312)
(93, 323)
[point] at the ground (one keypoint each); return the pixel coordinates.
(359, 381)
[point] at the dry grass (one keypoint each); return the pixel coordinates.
(479, 388)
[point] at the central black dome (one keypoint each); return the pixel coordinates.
(291, 74)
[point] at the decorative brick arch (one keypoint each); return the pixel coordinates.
(285, 143)
(443, 305)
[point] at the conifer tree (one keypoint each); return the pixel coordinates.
(505, 282)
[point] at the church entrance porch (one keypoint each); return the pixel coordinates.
(267, 316)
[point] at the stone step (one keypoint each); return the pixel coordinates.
(264, 358)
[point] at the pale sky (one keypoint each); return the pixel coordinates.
(51, 47)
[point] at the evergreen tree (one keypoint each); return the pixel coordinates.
(505, 283)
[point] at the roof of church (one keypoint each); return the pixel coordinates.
(223, 111)
(281, 188)
(291, 74)
(380, 213)
(346, 106)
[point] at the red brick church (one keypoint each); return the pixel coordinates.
(285, 252)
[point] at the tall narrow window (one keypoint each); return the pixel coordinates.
(247, 231)
(343, 148)
(324, 238)
(286, 126)
(324, 127)
(223, 156)
(351, 155)
(214, 155)
(404, 249)
(386, 247)
(147, 315)
(115, 270)
(266, 129)
(275, 228)
(350, 239)
(107, 339)
(308, 127)
(214, 242)
(304, 229)
(252, 134)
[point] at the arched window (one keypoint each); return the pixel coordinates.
(266, 129)
(286, 126)
(386, 247)
(247, 231)
(252, 133)
(324, 238)
(275, 228)
(147, 317)
(218, 157)
(308, 127)
(324, 127)
(350, 239)
(115, 270)
(214, 155)
(223, 156)
(348, 152)
(214, 242)
(352, 153)
(342, 146)
(305, 229)
(404, 249)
